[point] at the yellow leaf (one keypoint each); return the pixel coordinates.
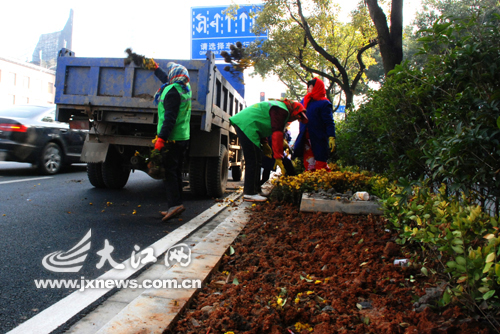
(489, 236)
(490, 257)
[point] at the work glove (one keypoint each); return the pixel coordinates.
(266, 149)
(285, 145)
(160, 143)
(331, 143)
(279, 163)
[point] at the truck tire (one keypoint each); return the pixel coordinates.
(237, 172)
(197, 169)
(94, 174)
(114, 174)
(217, 171)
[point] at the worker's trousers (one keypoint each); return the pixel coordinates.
(172, 160)
(253, 162)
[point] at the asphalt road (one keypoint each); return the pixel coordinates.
(43, 214)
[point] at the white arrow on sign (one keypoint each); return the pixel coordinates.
(202, 25)
(216, 22)
(228, 19)
(243, 17)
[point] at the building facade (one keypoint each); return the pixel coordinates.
(48, 46)
(25, 83)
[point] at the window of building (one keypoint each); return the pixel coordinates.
(26, 82)
(11, 99)
(12, 78)
(51, 87)
(37, 85)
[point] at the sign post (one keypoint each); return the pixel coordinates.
(212, 30)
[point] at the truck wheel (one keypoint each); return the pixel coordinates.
(94, 174)
(217, 170)
(51, 159)
(237, 173)
(197, 168)
(114, 174)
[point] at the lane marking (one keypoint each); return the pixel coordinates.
(59, 313)
(25, 180)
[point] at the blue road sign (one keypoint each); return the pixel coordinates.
(341, 109)
(212, 30)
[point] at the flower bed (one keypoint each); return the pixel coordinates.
(295, 272)
(291, 188)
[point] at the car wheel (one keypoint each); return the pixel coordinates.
(51, 159)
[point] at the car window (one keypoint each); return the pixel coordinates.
(26, 111)
(49, 117)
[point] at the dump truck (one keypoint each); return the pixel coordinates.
(116, 102)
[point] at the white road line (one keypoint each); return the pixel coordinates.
(25, 180)
(59, 313)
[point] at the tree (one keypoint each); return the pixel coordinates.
(306, 39)
(450, 10)
(390, 40)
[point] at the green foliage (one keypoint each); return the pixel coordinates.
(436, 121)
(458, 232)
(451, 10)
(289, 54)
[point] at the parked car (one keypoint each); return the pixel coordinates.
(30, 133)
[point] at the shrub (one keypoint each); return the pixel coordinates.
(439, 121)
(456, 231)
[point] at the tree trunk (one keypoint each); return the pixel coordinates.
(390, 40)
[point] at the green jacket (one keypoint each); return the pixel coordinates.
(255, 121)
(181, 130)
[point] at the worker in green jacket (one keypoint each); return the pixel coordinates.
(174, 115)
(253, 125)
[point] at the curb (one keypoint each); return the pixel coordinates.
(156, 310)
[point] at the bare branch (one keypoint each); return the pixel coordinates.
(361, 63)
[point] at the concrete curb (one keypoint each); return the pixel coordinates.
(156, 310)
(311, 203)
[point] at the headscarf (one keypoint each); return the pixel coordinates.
(318, 93)
(295, 108)
(176, 73)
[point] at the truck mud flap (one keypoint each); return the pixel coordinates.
(94, 152)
